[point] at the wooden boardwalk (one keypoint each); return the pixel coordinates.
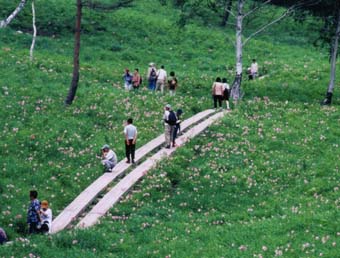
(84, 199)
(113, 196)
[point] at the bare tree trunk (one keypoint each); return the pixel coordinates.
(227, 10)
(8, 20)
(34, 31)
(75, 78)
(235, 90)
(335, 45)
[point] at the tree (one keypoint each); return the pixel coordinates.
(4, 23)
(329, 11)
(77, 33)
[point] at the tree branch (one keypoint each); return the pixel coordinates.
(256, 8)
(287, 12)
(107, 7)
(8, 20)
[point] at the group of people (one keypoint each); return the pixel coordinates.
(220, 91)
(157, 79)
(172, 127)
(39, 215)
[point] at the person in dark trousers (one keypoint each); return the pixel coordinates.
(217, 92)
(3, 236)
(177, 128)
(33, 217)
(130, 132)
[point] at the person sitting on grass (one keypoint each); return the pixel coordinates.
(3, 236)
(109, 158)
(46, 218)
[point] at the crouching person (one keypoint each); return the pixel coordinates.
(109, 158)
(3, 236)
(46, 218)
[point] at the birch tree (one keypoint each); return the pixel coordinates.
(4, 23)
(34, 31)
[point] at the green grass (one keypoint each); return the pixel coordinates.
(264, 180)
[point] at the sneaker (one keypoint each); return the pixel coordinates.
(128, 161)
(133, 162)
(168, 147)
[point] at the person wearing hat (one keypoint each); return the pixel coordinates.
(46, 218)
(109, 158)
(170, 119)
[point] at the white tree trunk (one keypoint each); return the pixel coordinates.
(334, 56)
(34, 32)
(235, 91)
(8, 20)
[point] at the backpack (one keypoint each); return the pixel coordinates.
(172, 119)
(153, 74)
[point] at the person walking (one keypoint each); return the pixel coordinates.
(172, 82)
(161, 79)
(127, 77)
(136, 79)
(33, 213)
(226, 92)
(217, 92)
(109, 160)
(152, 76)
(169, 118)
(130, 132)
(177, 128)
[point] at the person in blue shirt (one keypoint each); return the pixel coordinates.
(127, 77)
(33, 217)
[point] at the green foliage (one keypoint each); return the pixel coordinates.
(261, 181)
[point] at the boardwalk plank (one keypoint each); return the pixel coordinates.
(113, 196)
(82, 201)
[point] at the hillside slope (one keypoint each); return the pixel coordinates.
(262, 181)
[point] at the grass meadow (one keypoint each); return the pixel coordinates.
(262, 182)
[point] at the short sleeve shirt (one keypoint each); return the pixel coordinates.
(130, 131)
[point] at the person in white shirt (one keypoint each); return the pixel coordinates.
(45, 217)
(161, 79)
(254, 69)
(130, 132)
(109, 158)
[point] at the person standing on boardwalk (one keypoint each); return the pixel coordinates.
(226, 92)
(130, 132)
(172, 82)
(109, 158)
(152, 76)
(170, 119)
(136, 79)
(177, 128)
(217, 92)
(33, 213)
(161, 79)
(127, 77)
